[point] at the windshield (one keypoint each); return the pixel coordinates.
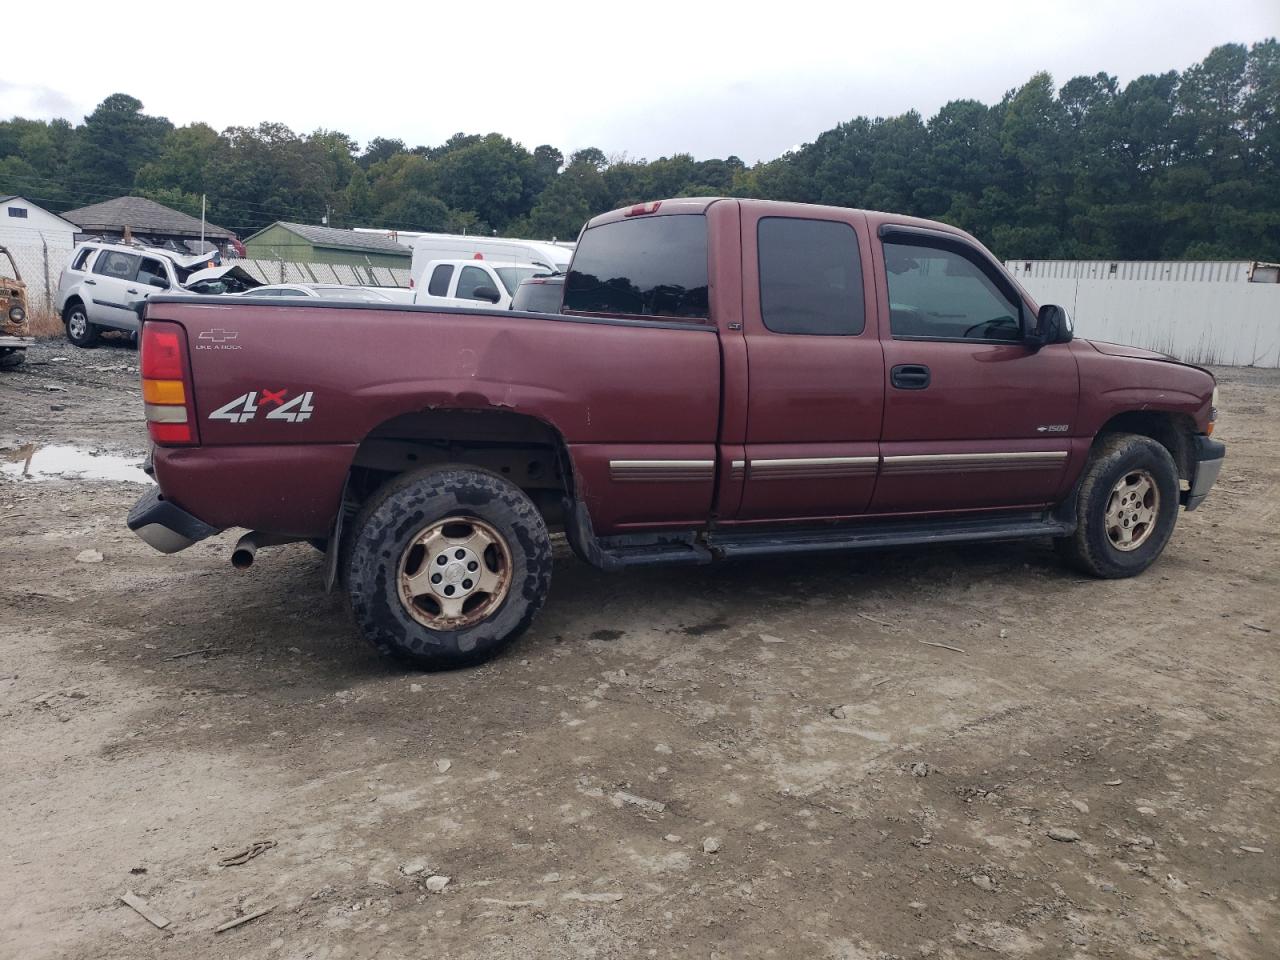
(511, 276)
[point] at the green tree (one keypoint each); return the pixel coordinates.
(117, 139)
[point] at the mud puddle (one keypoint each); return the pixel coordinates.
(69, 462)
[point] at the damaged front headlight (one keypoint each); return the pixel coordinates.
(17, 314)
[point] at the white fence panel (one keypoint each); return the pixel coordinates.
(1230, 322)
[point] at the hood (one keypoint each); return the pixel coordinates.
(225, 279)
(1120, 350)
(192, 261)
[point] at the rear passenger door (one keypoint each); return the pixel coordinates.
(815, 366)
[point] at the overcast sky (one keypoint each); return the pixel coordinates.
(646, 79)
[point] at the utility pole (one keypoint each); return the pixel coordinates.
(202, 202)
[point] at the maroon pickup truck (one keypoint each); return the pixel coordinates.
(725, 378)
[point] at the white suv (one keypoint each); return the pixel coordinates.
(102, 286)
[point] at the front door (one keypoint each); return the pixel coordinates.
(114, 286)
(974, 418)
(815, 366)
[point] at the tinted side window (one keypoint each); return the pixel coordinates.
(469, 280)
(810, 277)
(647, 267)
(440, 277)
(113, 263)
(81, 257)
(938, 294)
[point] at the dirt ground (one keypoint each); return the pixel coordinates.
(760, 759)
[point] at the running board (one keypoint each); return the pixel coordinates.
(643, 550)
(876, 535)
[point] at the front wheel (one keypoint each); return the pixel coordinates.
(80, 331)
(12, 358)
(1127, 507)
(446, 565)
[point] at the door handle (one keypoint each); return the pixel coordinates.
(92, 283)
(910, 376)
(132, 290)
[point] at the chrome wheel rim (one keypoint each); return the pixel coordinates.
(454, 573)
(1132, 510)
(77, 325)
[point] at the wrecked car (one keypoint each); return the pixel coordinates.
(15, 328)
(103, 285)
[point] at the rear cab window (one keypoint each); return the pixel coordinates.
(810, 277)
(539, 296)
(649, 267)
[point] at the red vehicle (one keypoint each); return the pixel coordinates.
(726, 378)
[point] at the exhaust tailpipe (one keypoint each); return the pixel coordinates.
(245, 550)
(247, 547)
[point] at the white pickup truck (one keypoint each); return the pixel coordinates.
(472, 283)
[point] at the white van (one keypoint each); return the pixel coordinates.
(551, 257)
(472, 283)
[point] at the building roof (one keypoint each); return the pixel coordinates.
(140, 215)
(337, 239)
(5, 198)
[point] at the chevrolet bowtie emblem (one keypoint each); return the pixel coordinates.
(218, 336)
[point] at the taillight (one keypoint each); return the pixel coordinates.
(166, 384)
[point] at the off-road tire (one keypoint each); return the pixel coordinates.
(1090, 548)
(391, 520)
(12, 358)
(72, 318)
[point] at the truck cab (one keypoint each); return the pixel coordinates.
(472, 283)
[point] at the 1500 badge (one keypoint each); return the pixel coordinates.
(271, 403)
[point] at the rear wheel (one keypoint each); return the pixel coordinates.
(1126, 509)
(80, 331)
(447, 565)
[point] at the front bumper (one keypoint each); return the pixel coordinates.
(166, 526)
(1206, 463)
(8, 342)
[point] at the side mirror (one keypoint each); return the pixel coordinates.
(1053, 325)
(490, 294)
(160, 282)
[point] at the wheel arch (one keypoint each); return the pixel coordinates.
(523, 449)
(1173, 431)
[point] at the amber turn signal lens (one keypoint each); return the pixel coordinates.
(163, 391)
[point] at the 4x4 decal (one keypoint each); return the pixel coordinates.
(247, 406)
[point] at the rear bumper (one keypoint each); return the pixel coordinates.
(166, 526)
(1206, 464)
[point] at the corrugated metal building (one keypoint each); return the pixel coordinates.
(1209, 312)
(303, 243)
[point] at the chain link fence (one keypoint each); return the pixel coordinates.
(40, 258)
